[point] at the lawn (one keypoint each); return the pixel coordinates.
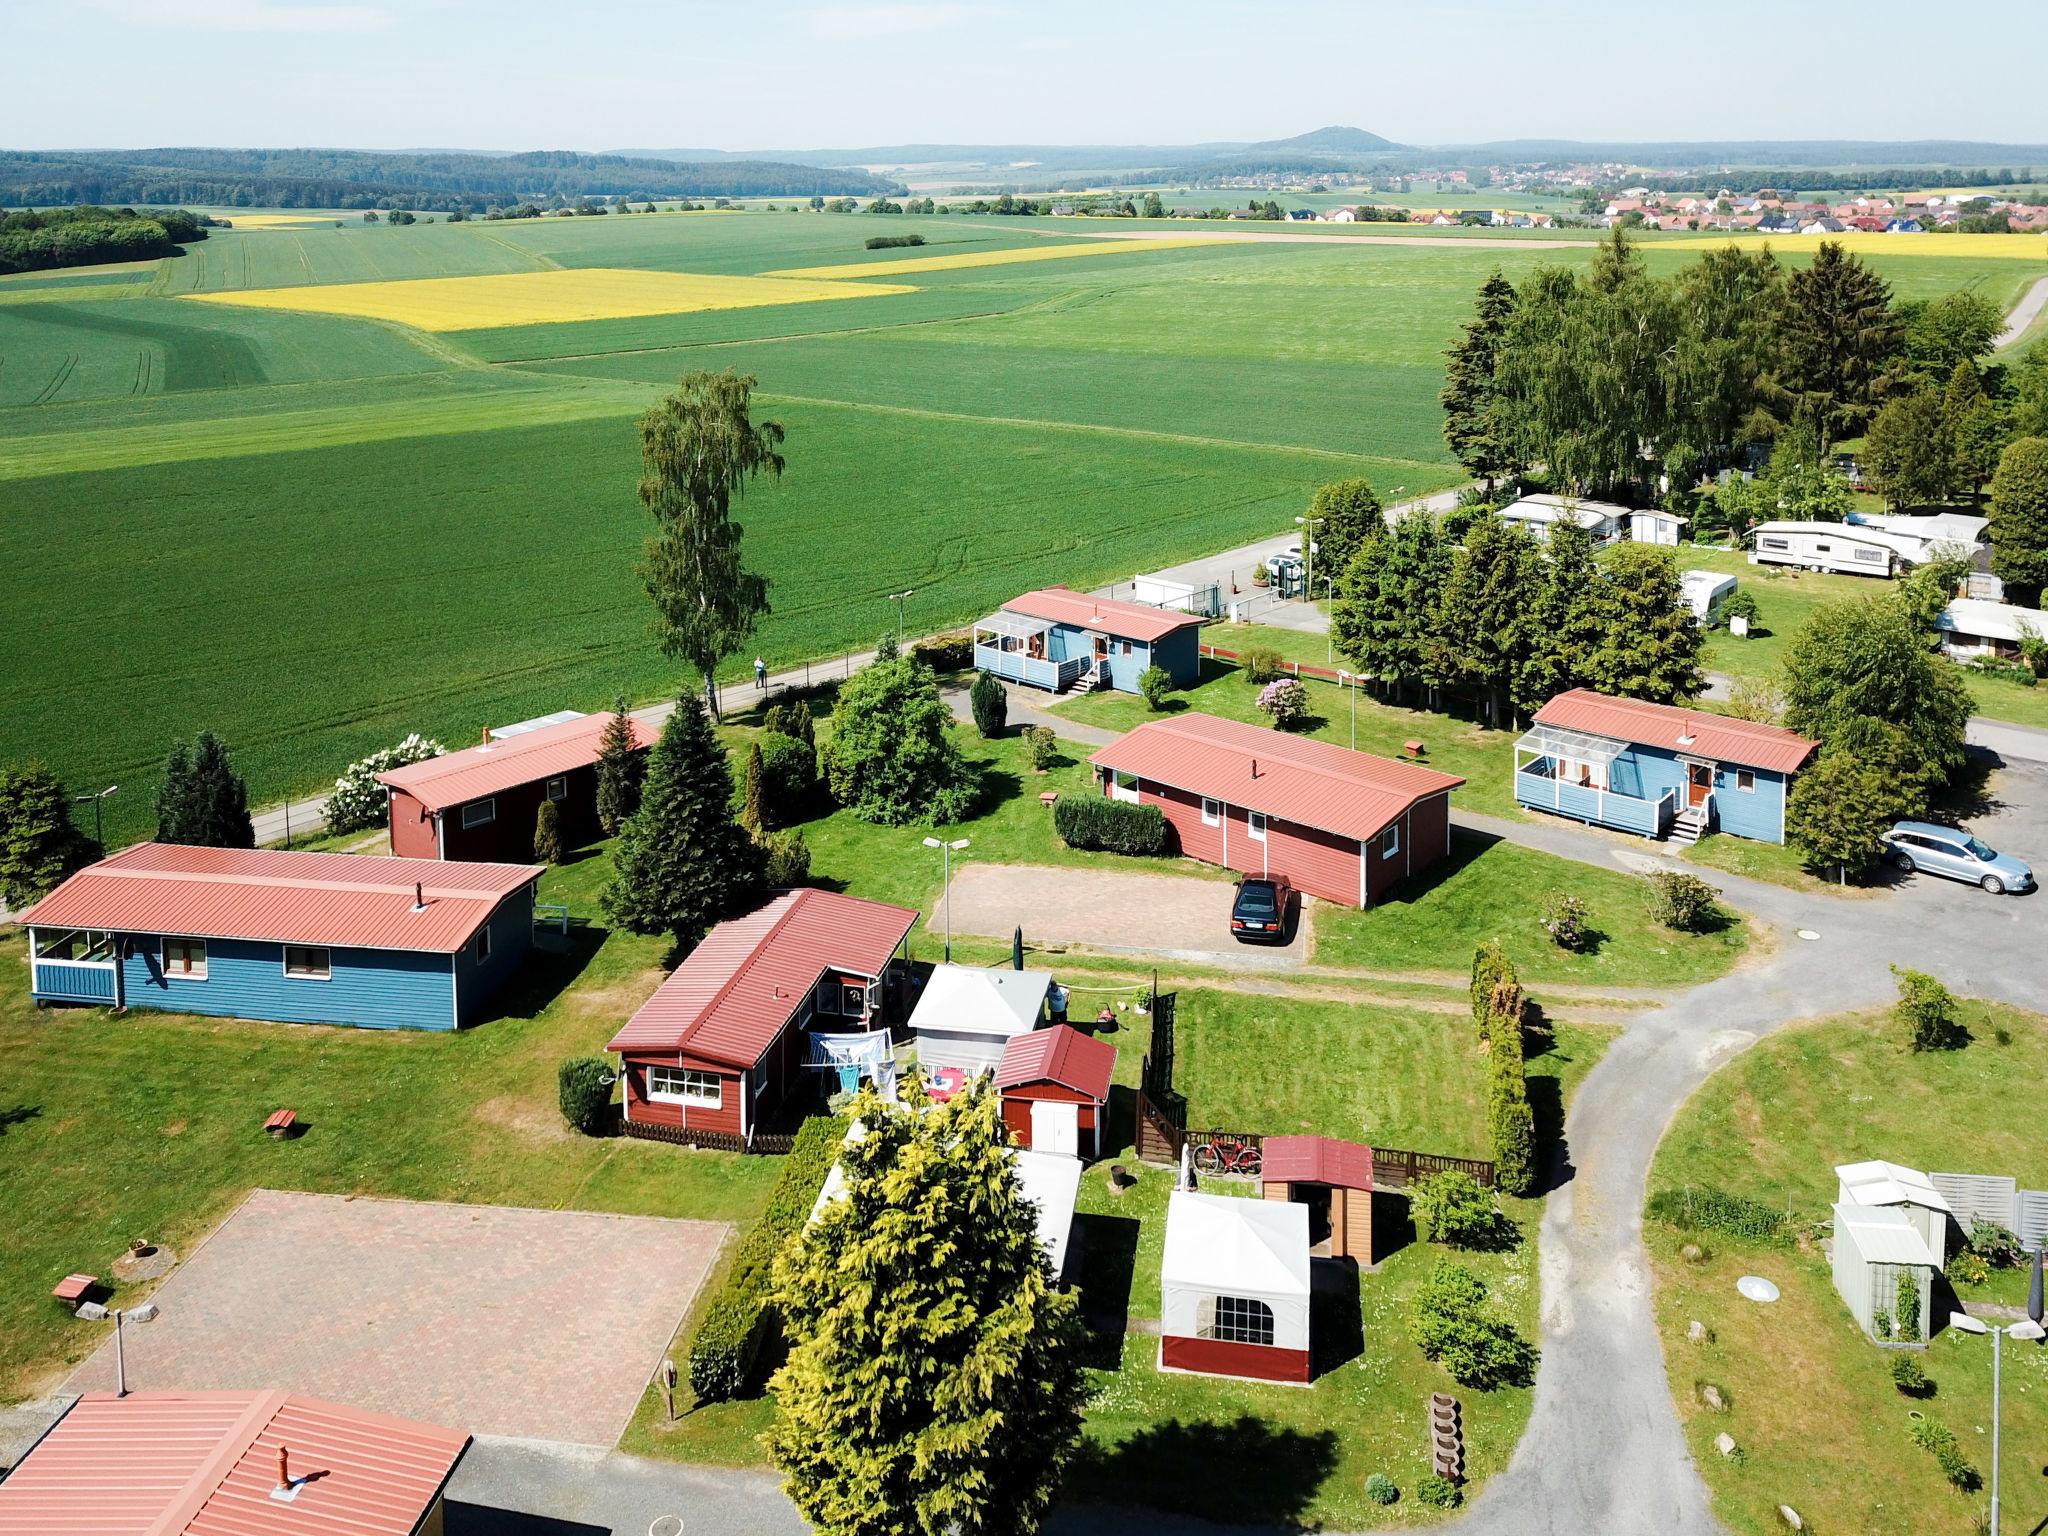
(1771, 1125)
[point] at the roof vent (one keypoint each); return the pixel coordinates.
(1686, 740)
(1255, 767)
(419, 897)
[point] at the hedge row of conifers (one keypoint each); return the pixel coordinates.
(1114, 826)
(1498, 1008)
(740, 1319)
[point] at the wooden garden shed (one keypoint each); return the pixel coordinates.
(1334, 1180)
(1055, 1088)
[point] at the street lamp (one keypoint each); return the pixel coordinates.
(898, 598)
(96, 799)
(2027, 1330)
(1349, 681)
(946, 852)
(1308, 525)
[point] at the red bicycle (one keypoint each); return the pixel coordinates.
(1229, 1155)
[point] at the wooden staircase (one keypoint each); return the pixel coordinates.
(1688, 826)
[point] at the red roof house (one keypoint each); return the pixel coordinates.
(1056, 638)
(229, 1464)
(1055, 1089)
(1342, 825)
(483, 802)
(713, 1055)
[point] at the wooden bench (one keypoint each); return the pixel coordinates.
(1412, 748)
(281, 1123)
(73, 1289)
(1049, 797)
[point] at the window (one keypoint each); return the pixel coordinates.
(483, 943)
(1124, 786)
(680, 1085)
(185, 959)
(1255, 825)
(1779, 544)
(1234, 1320)
(558, 787)
(1212, 813)
(1745, 781)
(82, 944)
(1127, 647)
(828, 996)
(479, 813)
(308, 961)
(1872, 555)
(853, 999)
(1390, 841)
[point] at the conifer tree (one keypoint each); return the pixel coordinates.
(683, 861)
(1649, 645)
(750, 798)
(202, 801)
(2019, 518)
(1346, 513)
(1384, 618)
(547, 833)
(934, 1382)
(176, 807)
(1483, 628)
(620, 769)
(1473, 423)
(1564, 619)
(39, 845)
(1839, 346)
(1510, 1124)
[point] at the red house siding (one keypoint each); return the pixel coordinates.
(1259, 1362)
(508, 836)
(694, 1117)
(412, 829)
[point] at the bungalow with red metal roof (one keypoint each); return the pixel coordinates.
(484, 801)
(712, 1058)
(1055, 1090)
(1656, 769)
(1057, 639)
(209, 1463)
(299, 938)
(1342, 825)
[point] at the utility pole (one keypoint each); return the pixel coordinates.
(96, 799)
(946, 852)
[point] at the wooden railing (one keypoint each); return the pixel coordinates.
(1398, 1168)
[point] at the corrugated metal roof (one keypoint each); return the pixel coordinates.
(1126, 621)
(1061, 1054)
(1316, 1160)
(456, 778)
(992, 1001)
(730, 998)
(1296, 778)
(345, 900)
(205, 1463)
(1879, 1183)
(1691, 731)
(1883, 1235)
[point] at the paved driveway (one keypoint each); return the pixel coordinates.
(543, 1324)
(1183, 917)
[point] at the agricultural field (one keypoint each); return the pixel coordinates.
(314, 531)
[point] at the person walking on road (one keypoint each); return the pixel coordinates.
(760, 674)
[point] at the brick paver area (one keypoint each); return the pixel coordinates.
(1108, 910)
(543, 1324)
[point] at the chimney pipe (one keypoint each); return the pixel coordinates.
(486, 740)
(419, 897)
(284, 1469)
(1255, 767)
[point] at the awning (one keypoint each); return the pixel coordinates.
(1580, 746)
(1013, 626)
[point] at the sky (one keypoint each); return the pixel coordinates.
(762, 74)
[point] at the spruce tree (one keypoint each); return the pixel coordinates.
(1510, 1123)
(1564, 619)
(220, 797)
(1975, 427)
(39, 845)
(934, 1382)
(547, 833)
(750, 797)
(620, 768)
(1840, 345)
(1473, 422)
(683, 861)
(177, 816)
(1649, 644)
(1384, 618)
(1483, 629)
(1347, 513)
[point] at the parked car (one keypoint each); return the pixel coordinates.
(1260, 912)
(1921, 845)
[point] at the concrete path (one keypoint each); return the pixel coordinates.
(2024, 313)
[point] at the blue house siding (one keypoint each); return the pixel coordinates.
(511, 929)
(1070, 654)
(245, 979)
(1180, 653)
(1647, 774)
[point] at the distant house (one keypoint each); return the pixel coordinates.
(483, 802)
(1972, 626)
(1055, 1089)
(1234, 1288)
(967, 1014)
(1821, 226)
(1538, 514)
(1339, 216)
(1824, 547)
(299, 938)
(1654, 527)
(1657, 770)
(1903, 227)
(1301, 215)
(207, 1463)
(1341, 825)
(723, 1044)
(1056, 638)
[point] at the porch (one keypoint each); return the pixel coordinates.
(1570, 773)
(74, 965)
(1026, 650)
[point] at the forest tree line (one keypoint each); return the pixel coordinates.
(88, 235)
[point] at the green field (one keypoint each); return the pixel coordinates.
(313, 533)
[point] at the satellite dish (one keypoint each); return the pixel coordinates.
(1757, 1288)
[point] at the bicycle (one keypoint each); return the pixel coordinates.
(1229, 1155)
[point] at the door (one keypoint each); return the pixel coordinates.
(1056, 1128)
(1102, 655)
(1699, 783)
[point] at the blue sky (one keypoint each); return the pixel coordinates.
(755, 74)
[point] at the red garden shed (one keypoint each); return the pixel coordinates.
(482, 803)
(1341, 825)
(1333, 1179)
(1055, 1088)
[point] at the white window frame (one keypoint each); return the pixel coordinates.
(1390, 841)
(188, 974)
(1212, 812)
(480, 946)
(1118, 790)
(471, 819)
(557, 788)
(701, 1090)
(1745, 780)
(326, 954)
(1248, 1318)
(1255, 826)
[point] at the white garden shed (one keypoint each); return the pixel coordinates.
(1884, 1270)
(1234, 1287)
(1881, 1185)
(967, 1014)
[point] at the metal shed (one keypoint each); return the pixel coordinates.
(1883, 1268)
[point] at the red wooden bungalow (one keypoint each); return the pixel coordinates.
(719, 1048)
(482, 803)
(1341, 825)
(1055, 1088)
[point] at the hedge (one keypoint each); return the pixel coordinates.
(1490, 967)
(1088, 821)
(739, 1319)
(1702, 1208)
(946, 653)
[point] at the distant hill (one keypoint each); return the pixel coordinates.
(1331, 141)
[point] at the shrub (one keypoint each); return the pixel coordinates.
(583, 1089)
(788, 860)
(1967, 1268)
(1564, 919)
(890, 242)
(1510, 1123)
(1881, 1324)
(1155, 683)
(1453, 1328)
(1681, 901)
(1908, 1300)
(1260, 575)
(1490, 967)
(1909, 1376)
(1286, 701)
(990, 704)
(953, 652)
(1939, 1441)
(1927, 1009)
(547, 833)
(739, 1318)
(791, 718)
(1380, 1489)
(1438, 1492)
(1451, 1208)
(1088, 821)
(1995, 1245)
(1742, 605)
(357, 800)
(1261, 664)
(1702, 1208)
(1041, 747)
(789, 778)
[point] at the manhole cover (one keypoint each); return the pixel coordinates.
(666, 1525)
(1757, 1288)
(1808, 934)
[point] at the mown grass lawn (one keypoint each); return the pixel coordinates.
(1771, 1125)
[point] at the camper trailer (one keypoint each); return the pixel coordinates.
(1707, 592)
(1825, 547)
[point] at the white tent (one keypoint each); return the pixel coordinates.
(1234, 1287)
(967, 1014)
(1881, 1259)
(1877, 1185)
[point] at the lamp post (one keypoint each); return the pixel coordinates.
(1330, 635)
(1349, 681)
(946, 852)
(2028, 1330)
(96, 799)
(898, 599)
(1308, 526)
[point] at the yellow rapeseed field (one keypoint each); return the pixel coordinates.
(910, 264)
(1866, 242)
(542, 298)
(279, 220)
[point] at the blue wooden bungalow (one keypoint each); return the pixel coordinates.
(1657, 770)
(1058, 639)
(300, 938)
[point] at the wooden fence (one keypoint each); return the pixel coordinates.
(1397, 1168)
(710, 1141)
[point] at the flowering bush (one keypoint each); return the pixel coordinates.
(1286, 701)
(1564, 919)
(358, 800)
